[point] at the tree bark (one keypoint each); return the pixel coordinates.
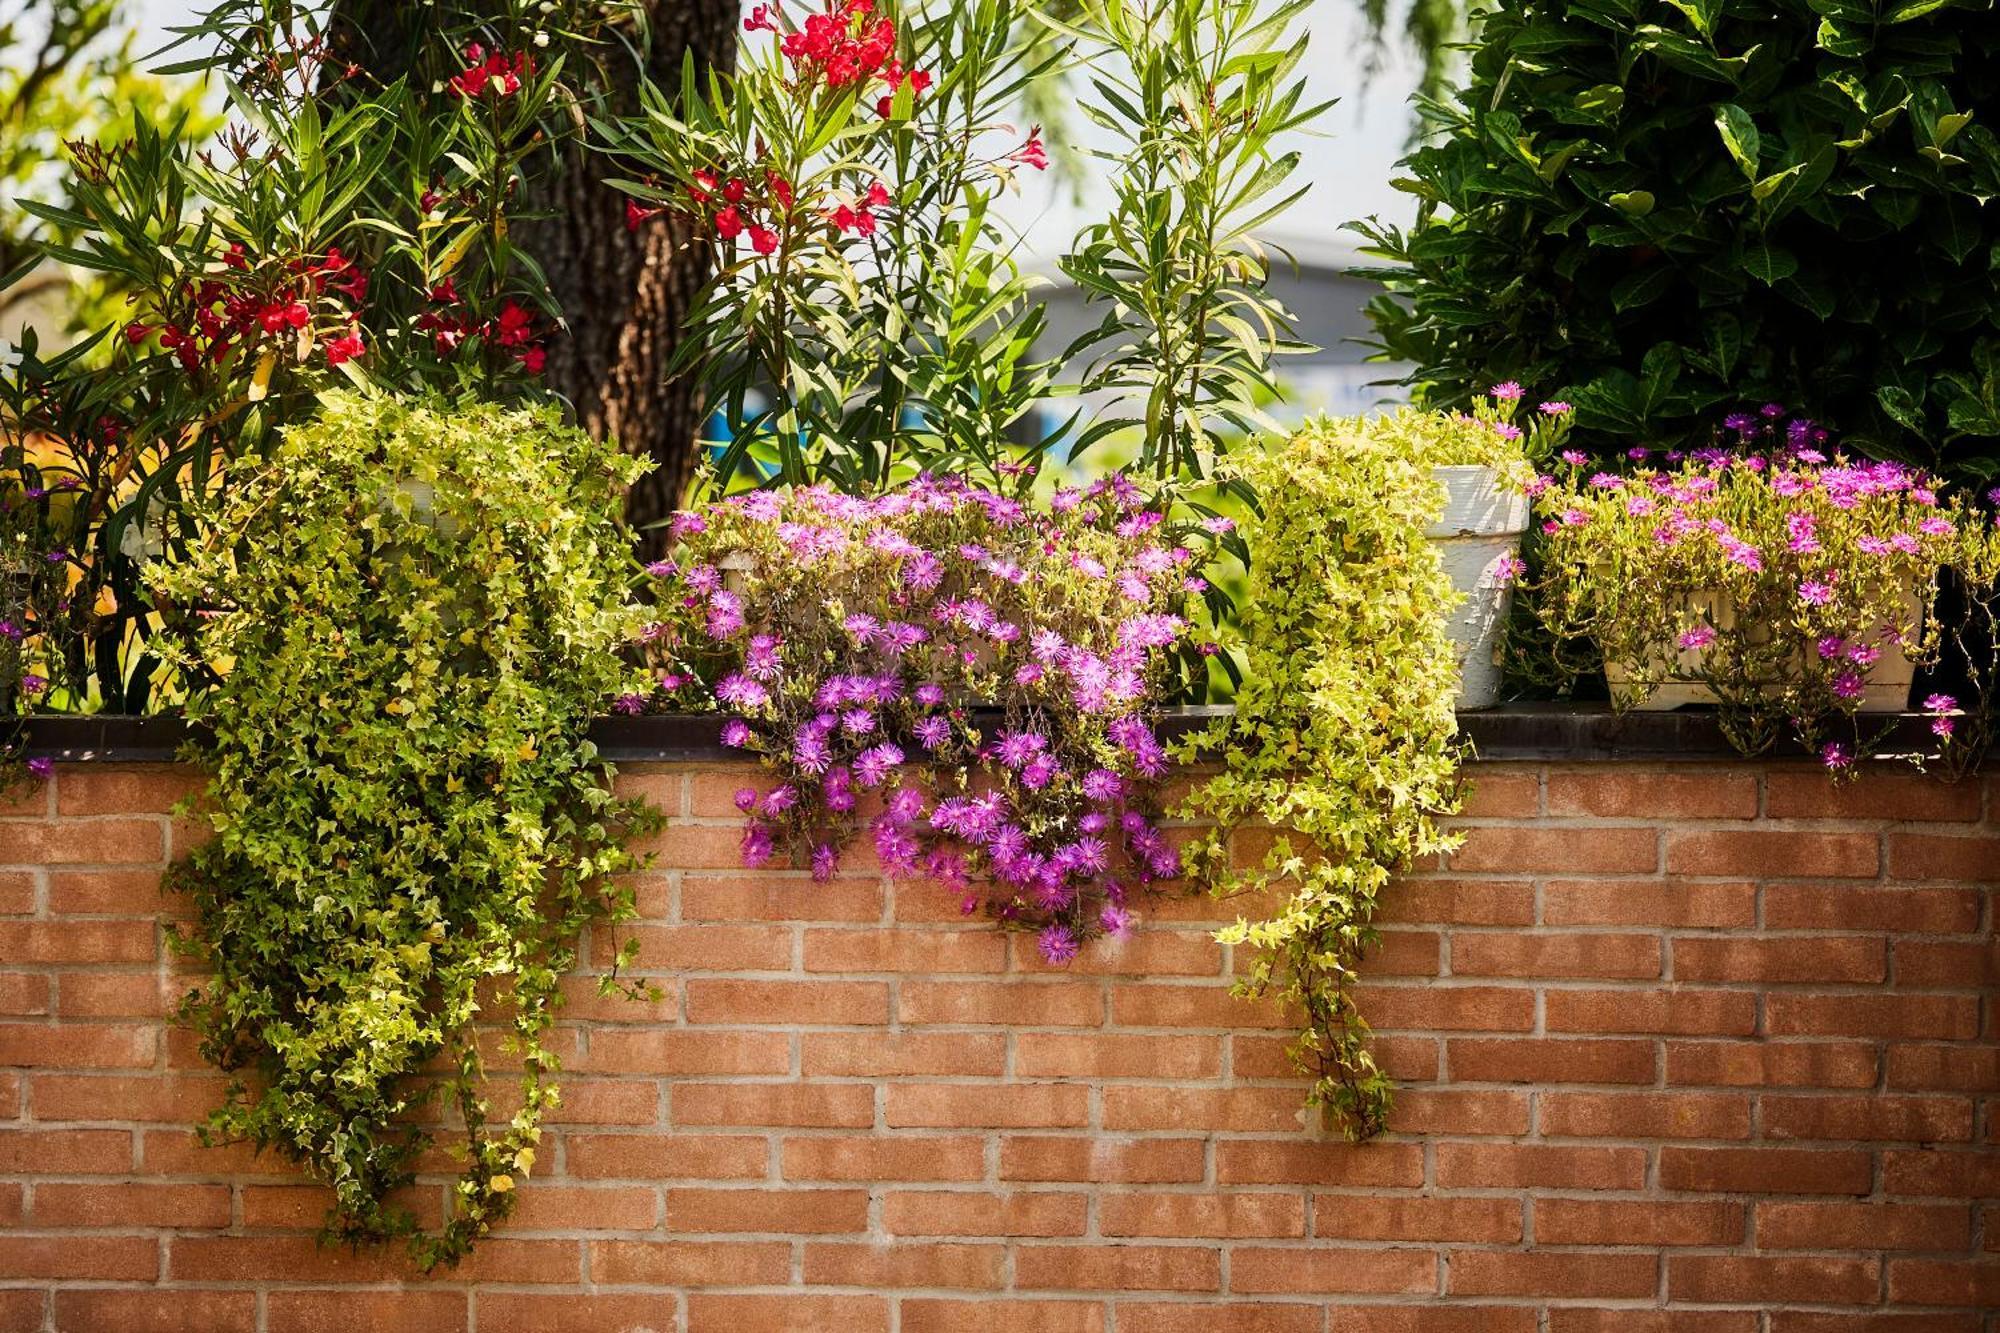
(624, 295)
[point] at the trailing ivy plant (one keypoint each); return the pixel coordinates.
(1668, 209)
(1344, 736)
(411, 613)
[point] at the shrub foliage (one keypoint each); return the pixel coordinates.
(413, 612)
(1669, 207)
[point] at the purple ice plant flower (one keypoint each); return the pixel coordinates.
(1058, 944)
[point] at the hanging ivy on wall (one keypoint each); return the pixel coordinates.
(1344, 739)
(412, 613)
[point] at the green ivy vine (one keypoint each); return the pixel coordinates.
(1344, 735)
(409, 613)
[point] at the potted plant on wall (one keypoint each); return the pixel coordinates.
(1772, 576)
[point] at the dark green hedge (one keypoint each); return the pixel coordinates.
(1667, 209)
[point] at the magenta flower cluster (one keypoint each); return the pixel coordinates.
(1770, 567)
(973, 681)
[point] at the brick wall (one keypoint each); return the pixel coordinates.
(1687, 1050)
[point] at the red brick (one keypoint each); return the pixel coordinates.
(1723, 1278)
(1102, 1158)
(784, 1314)
(1088, 1267)
(952, 1106)
(926, 951)
(1627, 792)
(1529, 1166)
(1947, 965)
(657, 1156)
(1117, 1055)
(683, 1052)
(878, 1055)
(766, 1003)
(1448, 1008)
(1432, 1319)
(1002, 1003)
(1946, 1017)
(81, 1151)
(1938, 1119)
(1170, 1215)
(1945, 1068)
(1542, 1061)
(1536, 1273)
(1459, 902)
(169, 1312)
(348, 1311)
(1457, 1111)
(1666, 1114)
(790, 1211)
(1941, 856)
(1825, 958)
(86, 1258)
(1941, 1173)
(1765, 853)
(1140, 953)
(1771, 1064)
(565, 1312)
(686, 1263)
(926, 1315)
(97, 842)
(1764, 1170)
(1648, 902)
(970, 1213)
(1847, 1321)
(1566, 955)
(1265, 1162)
(1652, 1222)
(1973, 1282)
(542, 1206)
(1871, 908)
(883, 1157)
(1385, 1217)
(700, 948)
(1320, 1270)
(1880, 795)
(824, 1105)
(1671, 1011)
(882, 1267)
(74, 941)
(1629, 1320)
(1501, 793)
(1181, 1007)
(150, 789)
(763, 898)
(24, 994)
(1568, 851)
(1244, 1110)
(128, 1205)
(1863, 1226)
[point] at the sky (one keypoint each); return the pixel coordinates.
(1348, 161)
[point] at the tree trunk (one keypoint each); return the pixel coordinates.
(624, 295)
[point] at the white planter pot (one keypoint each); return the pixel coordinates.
(1480, 528)
(1887, 690)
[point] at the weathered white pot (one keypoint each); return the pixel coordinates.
(1480, 528)
(1887, 689)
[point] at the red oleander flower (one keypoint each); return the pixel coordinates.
(764, 240)
(637, 216)
(729, 223)
(513, 325)
(703, 187)
(781, 189)
(344, 348)
(763, 18)
(534, 358)
(135, 333)
(1032, 153)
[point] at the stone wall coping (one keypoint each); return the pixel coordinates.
(1538, 732)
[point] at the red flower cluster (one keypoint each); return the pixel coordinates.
(450, 324)
(740, 209)
(842, 47)
(220, 316)
(499, 70)
(859, 218)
